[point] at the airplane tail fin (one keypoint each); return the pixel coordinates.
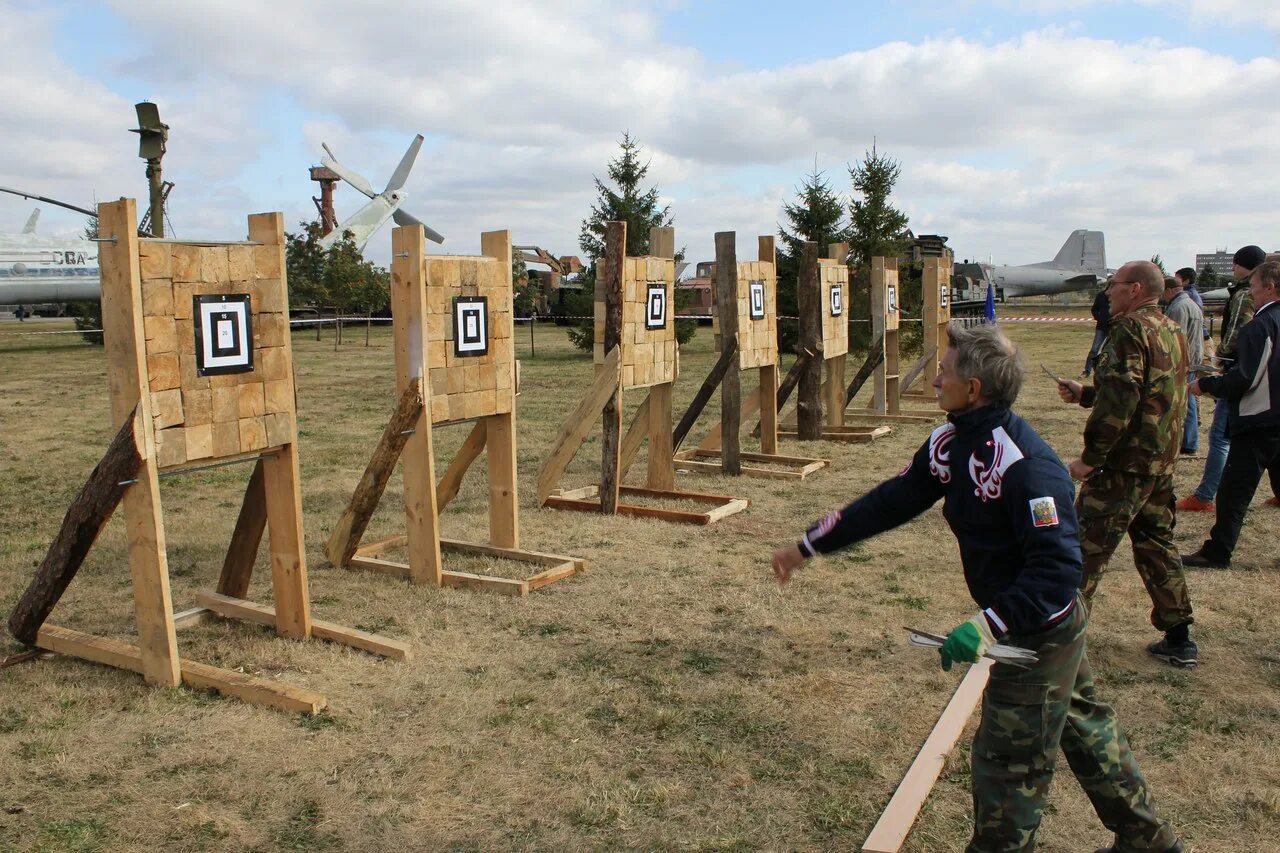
(30, 227)
(1083, 249)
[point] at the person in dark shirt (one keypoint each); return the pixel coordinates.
(1009, 502)
(1101, 312)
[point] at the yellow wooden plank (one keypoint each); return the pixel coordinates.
(891, 830)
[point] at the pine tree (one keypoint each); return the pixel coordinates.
(817, 214)
(622, 202)
(876, 229)
(87, 316)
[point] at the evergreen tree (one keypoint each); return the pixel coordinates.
(1208, 280)
(337, 278)
(1159, 262)
(88, 315)
(817, 214)
(876, 229)
(622, 201)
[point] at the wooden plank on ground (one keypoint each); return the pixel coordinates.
(346, 534)
(261, 614)
(246, 538)
(891, 830)
(256, 691)
(578, 424)
(88, 513)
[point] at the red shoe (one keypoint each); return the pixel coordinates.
(1191, 503)
(1273, 501)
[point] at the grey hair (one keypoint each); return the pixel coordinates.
(985, 353)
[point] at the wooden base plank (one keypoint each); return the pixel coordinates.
(121, 655)
(560, 567)
(891, 830)
(723, 506)
(191, 617)
(845, 433)
(905, 417)
(801, 466)
(262, 614)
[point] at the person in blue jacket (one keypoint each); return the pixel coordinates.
(1010, 503)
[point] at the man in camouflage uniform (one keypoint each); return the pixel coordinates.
(1131, 440)
(1008, 501)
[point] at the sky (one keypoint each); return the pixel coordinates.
(1013, 122)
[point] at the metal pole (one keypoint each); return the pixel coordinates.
(533, 318)
(157, 197)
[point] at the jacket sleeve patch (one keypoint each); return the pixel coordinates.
(1044, 512)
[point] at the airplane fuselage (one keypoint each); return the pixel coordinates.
(43, 269)
(1038, 281)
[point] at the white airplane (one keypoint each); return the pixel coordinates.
(1080, 264)
(35, 269)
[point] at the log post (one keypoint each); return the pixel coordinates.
(809, 297)
(731, 386)
(611, 279)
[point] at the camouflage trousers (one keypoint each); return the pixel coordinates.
(1112, 503)
(1026, 716)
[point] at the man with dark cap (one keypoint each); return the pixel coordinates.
(1250, 390)
(1237, 312)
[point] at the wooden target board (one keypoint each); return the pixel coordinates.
(469, 329)
(461, 307)
(219, 369)
(200, 370)
(649, 352)
(757, 307)
(834, 280)
(746, 329)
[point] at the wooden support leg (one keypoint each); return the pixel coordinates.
(636, 434)
(579, 423)
(611, 452)
(834, 388)
(149, 565)
(288, 561)
(246, 539)
(662, 472)
(874, 356)
(420, 509)
(346, 534)
(767, 397)
(728, 358)
(504, 509)
(451, 482)
(85, 518)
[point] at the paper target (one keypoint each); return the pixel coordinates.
(470, 326)
(655, 306)
(756, 306)
(944, 295)
(891, 295)
(837, 300)
(224, 334)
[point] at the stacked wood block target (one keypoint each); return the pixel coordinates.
(936, 313)
(635, 348)
(455, 363)
(745, 323)
(823, 298)
(200, 372)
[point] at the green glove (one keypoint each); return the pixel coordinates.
(967, 642)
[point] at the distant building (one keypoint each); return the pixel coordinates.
(1219, 262)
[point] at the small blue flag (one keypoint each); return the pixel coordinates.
(991, 303)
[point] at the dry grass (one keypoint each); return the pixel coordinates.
(671, 698)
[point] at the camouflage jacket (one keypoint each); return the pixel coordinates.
(1237, 312)
(1139, 396)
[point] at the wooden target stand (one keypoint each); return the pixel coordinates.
(635, 348)
(746, 327)
(936, 314)
(201, 372)
(455, 363)
(887, 378)
(823, 296)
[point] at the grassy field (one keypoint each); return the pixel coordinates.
(672, 698)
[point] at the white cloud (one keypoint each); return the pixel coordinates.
(1005, 147)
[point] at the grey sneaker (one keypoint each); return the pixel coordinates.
(1177, 654)
(1176, 848)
